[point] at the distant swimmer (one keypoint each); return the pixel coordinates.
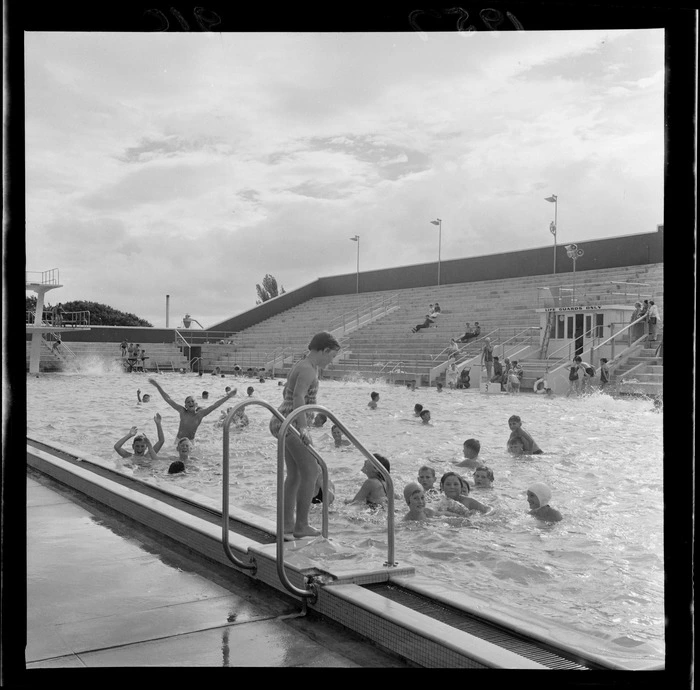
(190, 416)
(372, 404)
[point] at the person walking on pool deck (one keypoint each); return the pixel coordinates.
(302, 468)
(190, 416)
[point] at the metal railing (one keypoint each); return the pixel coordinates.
(205, 337)
(49, 277)
(551, 296)
(353, 319)
(288, 427)
(280, 490)
(68, 318)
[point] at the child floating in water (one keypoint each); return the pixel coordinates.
(373, 491)
(517, 431)
(438, 386)
(250, 390)
(143, 450)
(415, 497)
(372, 404)
(538, 496)
(470, 449)
(320, 419)
(426, 478)
(425, 416)
(457, 489)
(483, 477)
(338, 437)
(417, 409)
(142, 398)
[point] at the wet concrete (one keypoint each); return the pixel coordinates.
(102, 593)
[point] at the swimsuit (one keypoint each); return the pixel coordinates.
(288, 405)
(573, 374)
(318, 498)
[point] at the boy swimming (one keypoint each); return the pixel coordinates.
(470, 450)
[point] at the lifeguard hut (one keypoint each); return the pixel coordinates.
(41, 325)
(590, 325)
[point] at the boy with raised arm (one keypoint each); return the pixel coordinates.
(190, 416)
(141, 443)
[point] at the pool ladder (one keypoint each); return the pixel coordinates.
(287, 427)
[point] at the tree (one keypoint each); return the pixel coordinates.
(100, 314)
(268, 289)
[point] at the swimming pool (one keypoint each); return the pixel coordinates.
(596, 577)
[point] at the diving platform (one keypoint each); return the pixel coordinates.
(36, 324)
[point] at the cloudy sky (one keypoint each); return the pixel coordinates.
(192, 164)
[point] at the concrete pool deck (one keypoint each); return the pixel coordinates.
(102, 594)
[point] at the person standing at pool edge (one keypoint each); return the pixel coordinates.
(190, 416)
(487, 357)
(302, 468)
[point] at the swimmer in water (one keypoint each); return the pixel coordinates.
(483, 477)
(320, 419)
(250, 390)
(425, 416)
(373, 490)
(415, 497)
(457, 489)
(338, 437)
(516, 446)
(190, 416)
(516, 431)
(438, 386)
(538, 496)
(372, 404)
(417, 409)
(426, 478)
(142, 398)
(143, 450)
(470, 451)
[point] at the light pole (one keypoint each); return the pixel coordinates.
(357, 239)
(438, 222)
(573, 252)
(553, 227)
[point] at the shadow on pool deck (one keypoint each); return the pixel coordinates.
(101, 593)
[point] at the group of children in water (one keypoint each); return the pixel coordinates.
(424, 499)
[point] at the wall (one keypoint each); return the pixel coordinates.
(115, 334)
(631, 250)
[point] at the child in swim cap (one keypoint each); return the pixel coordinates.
(415, 498)
(538, 495)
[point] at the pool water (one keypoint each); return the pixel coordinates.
(596, 579)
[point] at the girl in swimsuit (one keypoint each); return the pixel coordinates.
(302, 469)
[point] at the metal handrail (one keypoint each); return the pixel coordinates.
(280, 490)
(354, 315)
(225, 479)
